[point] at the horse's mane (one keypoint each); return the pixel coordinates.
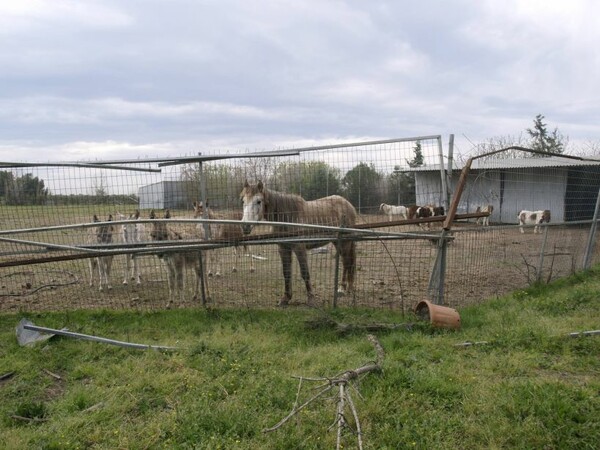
(283, 207)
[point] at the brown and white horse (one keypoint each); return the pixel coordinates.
(261, 203)
(533, 218)
(484, 221)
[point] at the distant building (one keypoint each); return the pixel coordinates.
(567, 187)
(168, 194)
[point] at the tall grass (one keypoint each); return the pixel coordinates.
(529, 386)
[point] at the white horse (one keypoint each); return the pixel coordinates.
(132, 234)
(393, 210)
(533, 218)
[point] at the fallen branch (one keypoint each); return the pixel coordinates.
(344, 398)
(52, 374)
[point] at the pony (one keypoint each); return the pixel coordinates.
(132, 234)
(484, 221)
(261, 203)
(393, 210)
(533, 218)
(221, 231)
(176, 262)
(423, 212)
(103, 235)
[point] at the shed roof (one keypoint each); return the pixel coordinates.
(515, 163)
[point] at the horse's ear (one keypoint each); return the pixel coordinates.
(137, 214)
(260, 186)
(95, 218)
(110, 218)
(168, 214)
(246, 184)
(195, 204)
(152, 215)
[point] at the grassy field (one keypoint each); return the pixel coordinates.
(529, 386)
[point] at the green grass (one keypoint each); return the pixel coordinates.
(530, 386)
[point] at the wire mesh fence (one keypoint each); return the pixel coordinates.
(117, 234)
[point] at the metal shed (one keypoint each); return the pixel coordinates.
(566, 187)
(168, 194)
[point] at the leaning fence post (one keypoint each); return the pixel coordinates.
(592, 236)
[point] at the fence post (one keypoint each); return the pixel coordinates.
(437, 278)
(592, 236)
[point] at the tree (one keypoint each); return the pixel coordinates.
(310, 179)
(418, 159)
(23, 190)
(362, 186)
(544, 141)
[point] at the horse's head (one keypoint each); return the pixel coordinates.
(546, 216)
(159, 229)
(253, 200)
(199, 209)
(104, 233)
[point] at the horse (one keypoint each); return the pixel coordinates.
(533, 218)
(393, 210)
(176, 262)
(484, 221)
(423, 212)
(103, 235)
(221, 231)
(261, 203)
(132, 234)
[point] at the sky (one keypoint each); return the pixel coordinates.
(119, 79)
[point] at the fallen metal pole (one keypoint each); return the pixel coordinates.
(95, 338)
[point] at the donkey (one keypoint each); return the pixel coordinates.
(132, 234)
(221, 231)
(103, 235)
(176, 262)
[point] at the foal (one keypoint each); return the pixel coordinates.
(103, 235)
(221, 231)
(176, 262)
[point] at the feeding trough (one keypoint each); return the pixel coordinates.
(439, 316)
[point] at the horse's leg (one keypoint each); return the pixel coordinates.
(285, 253)
(107, 266)
(236, 258)
(348, 253)
(252, 268)
(127, 268)
(171, 278)
(301, 255)
(349, 262)
(93, 264)
(136, 269)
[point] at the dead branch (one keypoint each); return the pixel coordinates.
(52, 374)
(341, 381)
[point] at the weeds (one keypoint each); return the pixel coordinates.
(529, 386)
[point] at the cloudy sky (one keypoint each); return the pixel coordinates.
(115, 79)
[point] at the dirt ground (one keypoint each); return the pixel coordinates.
(481, 263)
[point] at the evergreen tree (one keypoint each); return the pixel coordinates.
(544, 141)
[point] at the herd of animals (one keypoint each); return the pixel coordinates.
(259, 203)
